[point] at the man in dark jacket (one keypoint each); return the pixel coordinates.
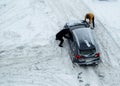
(63, 33)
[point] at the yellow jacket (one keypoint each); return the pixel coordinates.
(89, 16)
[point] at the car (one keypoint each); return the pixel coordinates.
(84, 50)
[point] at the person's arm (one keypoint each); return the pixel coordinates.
(66, 36)
(85, 18)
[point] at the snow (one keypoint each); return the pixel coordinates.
(29, 53)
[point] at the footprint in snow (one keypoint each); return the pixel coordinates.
(2, 51)
(87, 84)
(79, 77)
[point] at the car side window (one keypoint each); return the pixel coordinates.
(71, 36)
(74, 46)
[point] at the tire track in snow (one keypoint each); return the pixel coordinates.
(14, 11)
(35, 57)
(109, 65)
(65, 5)
(65, 9)
(5, 7)
(108, 42)
(106, 61)
(29, 65)
(19, 16)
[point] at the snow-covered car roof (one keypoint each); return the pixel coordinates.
(76, 24)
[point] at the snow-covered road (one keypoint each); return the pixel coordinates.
(30, 56)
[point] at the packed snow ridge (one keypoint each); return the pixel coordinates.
(29, 53)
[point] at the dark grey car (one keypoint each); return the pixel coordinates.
(83, 48)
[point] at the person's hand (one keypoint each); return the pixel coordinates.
(84, 21)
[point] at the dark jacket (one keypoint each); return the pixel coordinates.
(63, 33)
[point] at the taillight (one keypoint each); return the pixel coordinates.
(97, 54)
(77, 56)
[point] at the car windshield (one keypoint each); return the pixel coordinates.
(87, 51)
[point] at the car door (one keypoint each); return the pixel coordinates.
(73, 47)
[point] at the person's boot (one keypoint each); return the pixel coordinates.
(61, 42)
(91, 26)
(60, 46)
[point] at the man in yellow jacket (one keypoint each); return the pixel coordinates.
(90, 17)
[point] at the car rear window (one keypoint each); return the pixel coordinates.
(87, 51)
(78, 26)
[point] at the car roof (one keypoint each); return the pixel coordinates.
(72, 23)
(76, 24)
(84, 38)
(82, 34)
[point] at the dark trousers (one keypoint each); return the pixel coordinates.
(93, 22)
(61, 41)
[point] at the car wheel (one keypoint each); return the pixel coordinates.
(73, 60)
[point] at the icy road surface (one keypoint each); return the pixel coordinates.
(29, 53)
